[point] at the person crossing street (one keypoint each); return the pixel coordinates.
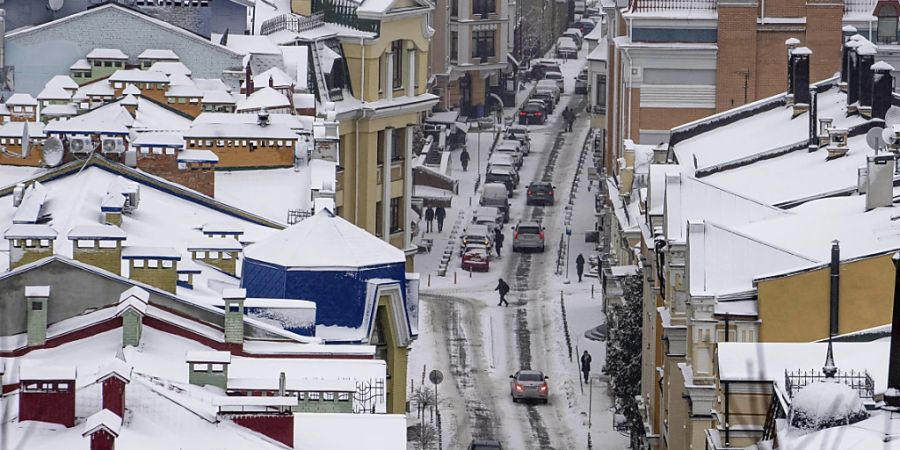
(464, 159)
(586, 365)
(503, 288)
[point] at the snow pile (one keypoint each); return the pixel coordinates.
(826, 404)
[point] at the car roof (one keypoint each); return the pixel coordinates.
(494, 187)
(550, 84)
(499, 171)
(529, 223)
(531, 105)
(476, 229)
(541, 183)
(504, 145)
(551, 72)
(529, 372)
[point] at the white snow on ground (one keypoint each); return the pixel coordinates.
(489, 331)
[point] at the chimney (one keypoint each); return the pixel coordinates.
(271, 82)
(880, 181)
(882, 89)
(852, 71)
(113, 378)
(262, 117)
(849, 30)
(248, 80)
(800, 80)
(156, 266)
(103, 428)
(99, 246)
(29, 242)
(234, 315)
(791, 44)
(813, 119)
(217, 252)
(132, 308)
(47, 393)
(824, 126)
(892, 394)
(835, 287)
(18, 194)
(208, 368)
(282, 390)
(36, 298)
(866, 58)
(837, 143)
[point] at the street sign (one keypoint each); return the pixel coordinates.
(435, 376)
(568, 231)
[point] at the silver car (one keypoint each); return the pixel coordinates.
(528, 235)
(529, 384)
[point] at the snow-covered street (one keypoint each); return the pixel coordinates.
(478, 345)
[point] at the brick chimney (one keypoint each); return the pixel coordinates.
(113, 378)
(36, 302)
(29, 242)
(217, 252)
(103, 428)
(132, 308)
(99, 246)
(882, 89)
(248, 80)
(156, 266)
(800, 81)
(47, 393)
(866, 58)
(208, 368)
(234, 315)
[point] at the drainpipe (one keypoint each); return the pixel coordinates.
(362, 98)
(727, 409)
(835, 286)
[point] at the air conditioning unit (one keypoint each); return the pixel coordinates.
(80, 145)
(112, 145)
(132, 198)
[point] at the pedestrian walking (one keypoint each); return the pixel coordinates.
(569, 115)
(429, 218)
(503, 288)
(586, 365)
(579, 266)
(464, 159)
(440, 214)
(498, 240)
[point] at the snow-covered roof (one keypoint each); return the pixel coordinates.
(32, 372)
(106, 53)
(117, 368)
(250, 44)
(293, 384)
(878, 432)
(208, 356)
(30, 231)
(63, 81)
(170, 68)
(129, 100)
(81, 64)
(97, 88)
(293, 122)
(220, 244)
(158, 54)
(37, 291)
(263, 98)
(183, 90)
(375, 6)
(52, 92)
(103, 419)
(21, 99)
(145, 252)
(17, 129)
(324, 241)
(138, 76)
(378, 431)
(239, 130)
(96, 232)
(59, 110)
(222, 228)
(304, 101)
(131, 89)
(198, 156)
(657, 186)
(279, 78)
(218, 97)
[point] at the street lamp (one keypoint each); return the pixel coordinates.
(568, 242)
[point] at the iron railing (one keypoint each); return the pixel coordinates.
(859, 6)
(343, 12)
(862, 382)
(672, 5)
(292, 22)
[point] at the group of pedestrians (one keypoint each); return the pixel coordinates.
(431, 214)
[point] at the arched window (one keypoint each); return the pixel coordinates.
(887, 24)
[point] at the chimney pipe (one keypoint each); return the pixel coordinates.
(892, 395)
(234, 316)
(248, 80)
(852, 71)
(848, 30)
(813, 119)
(882, 89)
(801, 79)
(791, 44)
(835, 286)
(866, 57)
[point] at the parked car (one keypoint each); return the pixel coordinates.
(476, 257)
(529, 384)
(513, 149)
(528, 236)
(505, 163)
(489, 222)
(524, 144)
(520, 133)
(576, 36)
(545, 104)
(496, 195)
(540, 193)
(586, 25)
(488, 212)
(532, 114)
(558, 78)
(476, 234)
(581, 82)
(542, 65)
(502, 175)
(485, 445)
(565, 48)
(547, 97)
(549, 86)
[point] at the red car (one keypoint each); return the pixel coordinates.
(476, 258)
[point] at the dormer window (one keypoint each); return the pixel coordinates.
(887, 12)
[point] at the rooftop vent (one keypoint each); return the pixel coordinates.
(837, 145)
(262, 118)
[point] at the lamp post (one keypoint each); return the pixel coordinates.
(568, 242)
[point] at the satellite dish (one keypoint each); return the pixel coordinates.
(873, 138)
(888, 137)
(55, 5)
(53, 151)
(892, 117)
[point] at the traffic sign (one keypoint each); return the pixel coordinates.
(435, 376)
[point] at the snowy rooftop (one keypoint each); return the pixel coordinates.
(218, 97)
(138, 76)
(105, 419)
(208, 356)
(158, 54)
(81, 64)
(324, 241)
(17, 129)
(21, 99)
(207, 156)
(264, 98)
(158, 139)
(291, 121)
(250, 44)
(278, 77)
(29, 231)
(170, 68)
(183, 90)
(63, 81)
(243, 188)
(54, 92)
(96, 232)
(33, 371)
(59, 110)
(106, 53)
(239, 130)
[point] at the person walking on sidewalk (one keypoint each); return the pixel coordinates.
(586, 365)
(503, 288)
(579, 266)
(498, 240)
(440, 214)
(429, 218)
(464, 159)
(569, 115)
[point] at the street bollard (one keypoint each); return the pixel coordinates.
(429, 280)
(454, 277)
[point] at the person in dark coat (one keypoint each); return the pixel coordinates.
(586, 365)
(498, 240)
(429, 218)
(579, 266)
(569, 116)
(440, 214)
(503, 288)
(464, 159)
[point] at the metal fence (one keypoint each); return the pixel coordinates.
(862, 382)
(292, 22)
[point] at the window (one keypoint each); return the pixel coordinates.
(301, 395)
(600, 94)
(107, 63)
(234, 307)
(98, 63)
(214, 255)
(314, 396)
(152, 263)
(84, 243)
(138, 263)
(454, 8)
(397, 56)
(37, 306)
(108, 244)
(343, 396)
(217, 367)
(396, 145)
(887, 24)
(328, 396)
(454, 46)
(379, 221)
(167, 264)
(483, 44)
(396, 226)
(484, 7)
(200, 255)
(201, 367)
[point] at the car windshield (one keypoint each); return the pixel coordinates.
(531, 376)
(540, 188)
(529, 229)
(532, 108)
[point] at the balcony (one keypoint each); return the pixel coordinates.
(343, 12)
(859, 6)
(672, 5)
(292, 22)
